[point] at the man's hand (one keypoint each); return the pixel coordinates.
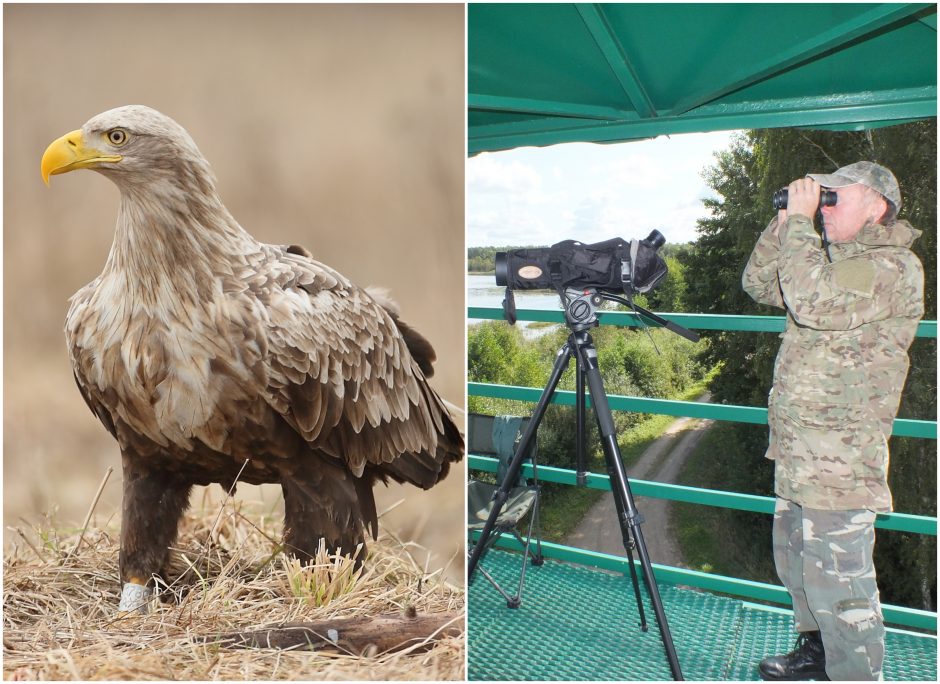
(781, 219)
(802, 198)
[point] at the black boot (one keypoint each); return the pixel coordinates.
(806, 661)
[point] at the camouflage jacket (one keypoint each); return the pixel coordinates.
(843, 360)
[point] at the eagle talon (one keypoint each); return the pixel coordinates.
(135, 598)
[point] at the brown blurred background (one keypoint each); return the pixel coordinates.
(340, 128)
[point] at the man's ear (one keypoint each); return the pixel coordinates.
(879, 205)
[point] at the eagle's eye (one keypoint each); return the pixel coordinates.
(117, 136)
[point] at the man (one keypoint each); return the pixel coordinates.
(852, 311)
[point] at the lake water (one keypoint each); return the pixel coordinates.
(482, 290)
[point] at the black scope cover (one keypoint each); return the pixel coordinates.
(574, 264)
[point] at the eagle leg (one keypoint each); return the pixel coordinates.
(321, 502)
(153, 504)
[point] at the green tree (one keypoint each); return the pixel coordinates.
(656, 363)
(670, 294)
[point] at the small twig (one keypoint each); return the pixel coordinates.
(404, 547)
(204, 552)
(28, 543)
(228, 497)
(91, 511)
(819, 147)
(270, 538)
(391, 508)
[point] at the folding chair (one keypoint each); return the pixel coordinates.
(499, 436)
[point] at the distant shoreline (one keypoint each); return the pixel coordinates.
(481, 273)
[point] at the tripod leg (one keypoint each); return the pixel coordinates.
(619, 484)
(512, 474)
(581, 461)
(629, 544)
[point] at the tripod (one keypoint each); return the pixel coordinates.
(581, 316)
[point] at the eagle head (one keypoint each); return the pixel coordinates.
(132, 145)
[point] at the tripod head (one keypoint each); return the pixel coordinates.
(581, 306)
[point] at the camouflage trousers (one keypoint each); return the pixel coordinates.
(824, 559)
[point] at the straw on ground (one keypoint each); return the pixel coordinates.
(228, 578)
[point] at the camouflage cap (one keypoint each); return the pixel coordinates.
(873, 175)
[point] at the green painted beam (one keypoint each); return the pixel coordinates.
(730, 117)
(855, 127)
(523, 105)
(617, 58)
(792, 53)
(892, 102)
(727, 322)
(901, 522)
(760, 591)
(903, 427)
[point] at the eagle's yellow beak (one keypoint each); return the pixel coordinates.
(69, 153)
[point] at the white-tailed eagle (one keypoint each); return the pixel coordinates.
(209, 355)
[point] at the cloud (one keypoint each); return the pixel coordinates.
(635, 171)
(507, 202)
(495, 228)
(487, 174)
(590, 192)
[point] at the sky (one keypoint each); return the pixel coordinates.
(590, 192)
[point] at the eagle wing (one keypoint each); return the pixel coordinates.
(340, 372)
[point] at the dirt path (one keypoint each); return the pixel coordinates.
(661, 462)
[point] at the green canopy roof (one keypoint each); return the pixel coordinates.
(541, 74)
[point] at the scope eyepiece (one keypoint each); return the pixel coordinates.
(655, 239)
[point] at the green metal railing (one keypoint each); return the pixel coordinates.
(903, 427)
(904, 522)
(724, 322)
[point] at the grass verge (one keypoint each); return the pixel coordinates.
(564, 507)
(718, 540)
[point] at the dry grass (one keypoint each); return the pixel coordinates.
(61, 592)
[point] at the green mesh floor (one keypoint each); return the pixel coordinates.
(577, 623)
